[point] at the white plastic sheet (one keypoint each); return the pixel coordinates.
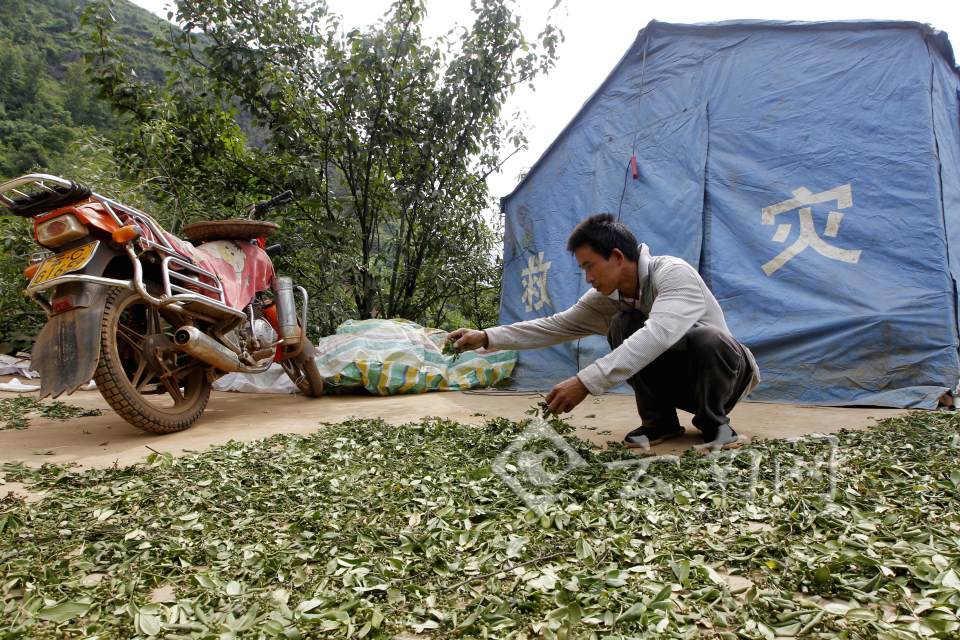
(12, 366)
(18, 387)
(273, 380)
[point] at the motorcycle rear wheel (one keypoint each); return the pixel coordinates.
(132, 380)
(303, 370)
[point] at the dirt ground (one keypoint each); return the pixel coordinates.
(107, 440)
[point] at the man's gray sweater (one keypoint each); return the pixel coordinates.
(679, 300)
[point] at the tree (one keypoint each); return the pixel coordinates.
(384, 136)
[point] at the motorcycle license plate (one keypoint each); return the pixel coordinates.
(56, 266)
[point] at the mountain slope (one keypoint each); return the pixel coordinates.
(44, 94)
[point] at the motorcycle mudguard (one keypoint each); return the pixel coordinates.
(309, 349)
(67, 350)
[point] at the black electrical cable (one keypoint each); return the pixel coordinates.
(636, 126)
(624, 192)
(494, 391)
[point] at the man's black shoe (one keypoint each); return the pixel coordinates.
(724, 438)
(646, 437)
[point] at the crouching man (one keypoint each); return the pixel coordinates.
(667, 333)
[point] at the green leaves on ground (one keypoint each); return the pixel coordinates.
(14, 411)
(366, 530)
(63, 612)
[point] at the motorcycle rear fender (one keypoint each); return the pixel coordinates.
(67, 350)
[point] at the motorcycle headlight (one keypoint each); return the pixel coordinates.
(60, 230)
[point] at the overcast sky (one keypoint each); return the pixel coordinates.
(598, 33)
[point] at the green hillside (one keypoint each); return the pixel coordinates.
(44, 95)
(46, 104)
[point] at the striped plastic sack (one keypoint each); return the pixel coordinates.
(388, 357)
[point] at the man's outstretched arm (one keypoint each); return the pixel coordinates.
(579, 321)
(562, 398)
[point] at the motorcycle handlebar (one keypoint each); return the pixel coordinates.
(259, 209)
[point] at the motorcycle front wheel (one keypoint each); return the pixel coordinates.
(302, 369)
(147, 385)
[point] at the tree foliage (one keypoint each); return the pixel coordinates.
(385, 137)
(51, 120)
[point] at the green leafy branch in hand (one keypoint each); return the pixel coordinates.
(450, 350)
(543, 409)
(557, 423)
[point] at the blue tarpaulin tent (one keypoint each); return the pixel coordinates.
(810, 171)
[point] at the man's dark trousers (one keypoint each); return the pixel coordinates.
(706, 378)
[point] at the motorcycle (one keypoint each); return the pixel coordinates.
(152, 319)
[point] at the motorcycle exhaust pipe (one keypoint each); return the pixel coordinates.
(288, 326)
(203, 347)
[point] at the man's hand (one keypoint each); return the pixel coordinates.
(468, 339)
(566, 395)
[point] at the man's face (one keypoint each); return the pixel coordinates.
(603, 275)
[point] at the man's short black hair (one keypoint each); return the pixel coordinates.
(604, 233)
